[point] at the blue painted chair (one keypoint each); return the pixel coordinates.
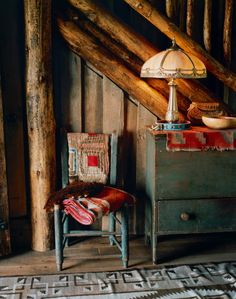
(61, 224)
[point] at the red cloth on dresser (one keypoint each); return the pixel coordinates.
(87, 210)
(200, 139)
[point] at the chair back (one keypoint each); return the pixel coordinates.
(89, 157)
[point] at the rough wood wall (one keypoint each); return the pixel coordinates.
(5, 246)
(11, 60)
(93, 103)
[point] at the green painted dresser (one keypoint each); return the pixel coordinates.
(188, 191)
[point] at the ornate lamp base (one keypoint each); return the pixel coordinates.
(172, 113)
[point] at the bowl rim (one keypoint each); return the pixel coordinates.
(223, 117)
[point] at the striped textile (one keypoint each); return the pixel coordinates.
(86, 210)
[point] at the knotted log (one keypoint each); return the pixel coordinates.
(148, 11)
(227, 40)
(89, 49)
(207, 25)
(172, 9)
(169, 8)
(137, 45)
(40, 118)
(190, 17)
(227, 31)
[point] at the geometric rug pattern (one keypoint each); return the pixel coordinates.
(208, 281)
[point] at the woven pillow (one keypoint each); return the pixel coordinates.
(88, 157)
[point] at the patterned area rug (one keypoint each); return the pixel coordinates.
(209, 281)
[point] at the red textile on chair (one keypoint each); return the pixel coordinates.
(87, 210)
(200, 139)
(88, 157)
(78, 212)
(93, 161)
(115, 197)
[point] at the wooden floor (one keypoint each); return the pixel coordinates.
(97, 255)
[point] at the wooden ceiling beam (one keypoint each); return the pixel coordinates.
(129, 59)
(138, 45)
(88, 48)
(148, 11)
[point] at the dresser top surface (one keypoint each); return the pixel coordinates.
(192, 129)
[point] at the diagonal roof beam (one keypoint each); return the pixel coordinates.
(138, 45)
(161, 22)
(88, 48)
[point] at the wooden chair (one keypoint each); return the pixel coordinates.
(61, 224)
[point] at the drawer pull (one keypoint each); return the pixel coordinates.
(184, 216)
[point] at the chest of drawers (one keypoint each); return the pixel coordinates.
(188, 191)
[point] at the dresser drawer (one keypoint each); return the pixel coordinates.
(196, 216)
(188, 174)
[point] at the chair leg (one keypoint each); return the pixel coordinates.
(58, 237)
(112, 226)
(66, 230)
(124, 235)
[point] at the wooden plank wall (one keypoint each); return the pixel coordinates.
(93, 103)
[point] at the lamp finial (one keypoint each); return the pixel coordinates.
(174, 46)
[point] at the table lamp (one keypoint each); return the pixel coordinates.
(173, 63)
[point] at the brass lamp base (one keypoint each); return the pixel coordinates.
(171, 122)
(172, 114)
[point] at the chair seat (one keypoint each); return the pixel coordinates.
(87, 210)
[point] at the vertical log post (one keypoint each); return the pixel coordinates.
(40, 117)
(207, 25)
(171, 9)
(190, 17)
(228, 19)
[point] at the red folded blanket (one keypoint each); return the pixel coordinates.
(87, 210)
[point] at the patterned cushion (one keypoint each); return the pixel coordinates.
(88, 157)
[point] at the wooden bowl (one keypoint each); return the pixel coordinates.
(220, 122)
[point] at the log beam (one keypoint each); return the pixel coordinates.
(40, 118)
(129, 59)
(207, 24)
(190, 17)
(148, 11)
(170, 8)
(228, 18)
(137, 45)
(89, 49)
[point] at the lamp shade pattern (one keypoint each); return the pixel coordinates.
(173, 63)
